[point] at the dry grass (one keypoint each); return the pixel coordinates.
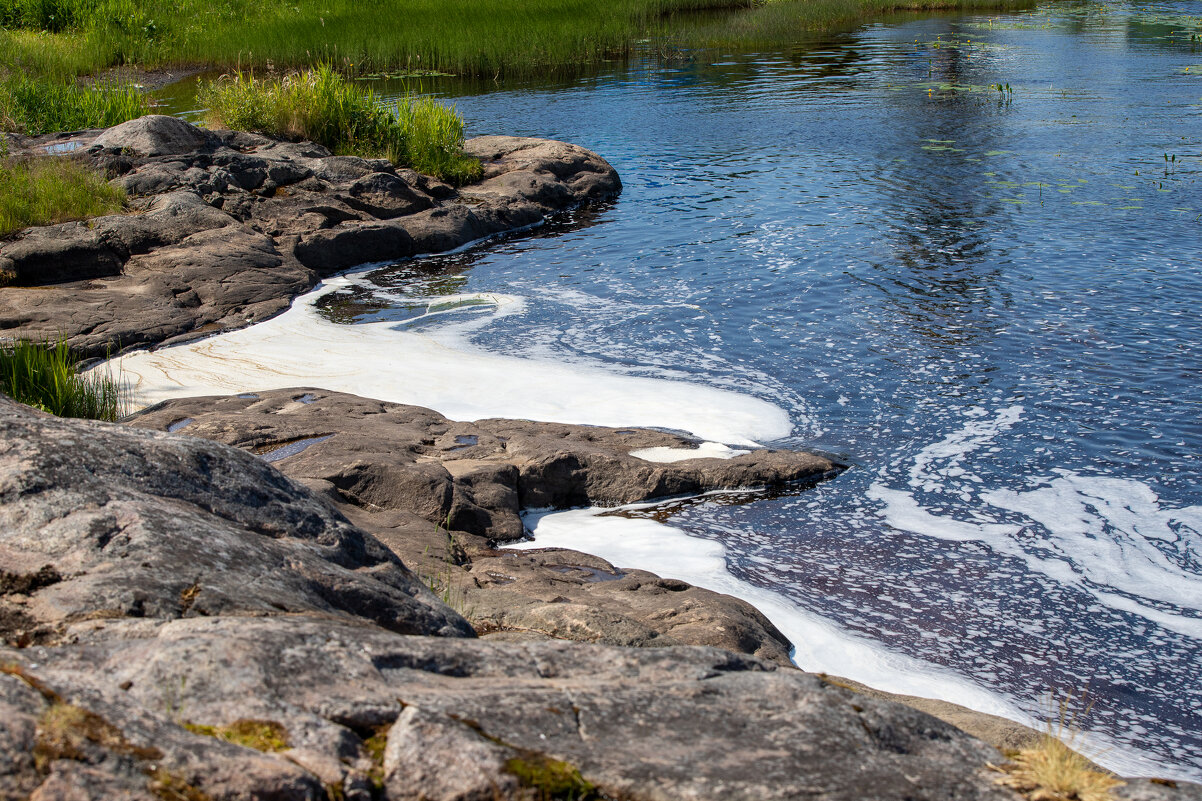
(1051, 770)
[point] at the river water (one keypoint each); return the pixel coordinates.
(963, 254)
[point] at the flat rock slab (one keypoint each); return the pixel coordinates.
(441, 493)
(461, 719)
(183, 621)
(227, 227)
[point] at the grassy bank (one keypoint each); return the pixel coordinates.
(469, 37)
(39, 105)
(322, 106)
(45, 376)
(44, 191)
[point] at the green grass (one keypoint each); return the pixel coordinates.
(49, 190)
(44, 376)
(322, 106)
(38, 105)
(487, 38)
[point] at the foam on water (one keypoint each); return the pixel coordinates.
(819, 645)
(440, 369)
(1108, 536)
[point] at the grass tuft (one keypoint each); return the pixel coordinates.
(1051, 770)
(45, 376)
(48, 190)
(38, 105)
(322, 106)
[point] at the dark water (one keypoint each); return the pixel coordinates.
(987, 300)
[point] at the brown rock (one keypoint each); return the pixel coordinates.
(229, 227)
(438, 492)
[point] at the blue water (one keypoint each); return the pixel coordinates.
(984, 299)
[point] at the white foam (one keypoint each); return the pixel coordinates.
(820, 646)
(1108, 536)
(442, 370)
(706, 450)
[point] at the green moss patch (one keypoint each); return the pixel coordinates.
(65, 730)
(551, 779)
(261, 735)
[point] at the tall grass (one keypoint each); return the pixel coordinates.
(322, 106)
(33, 106)
(52, 56)
(467, 37)
(48, 190)
(44, 376)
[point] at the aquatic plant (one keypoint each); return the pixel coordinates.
(47, 190)
(323, 106)
(46, 377)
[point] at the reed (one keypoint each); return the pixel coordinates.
(49, 190)
(45, 376)
(322, 106)
(489, 38)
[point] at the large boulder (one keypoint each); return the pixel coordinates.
(99, 522)
(154, 135)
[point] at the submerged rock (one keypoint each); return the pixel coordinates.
(227, 227)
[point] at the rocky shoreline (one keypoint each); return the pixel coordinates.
(226, 228)
(231, 597)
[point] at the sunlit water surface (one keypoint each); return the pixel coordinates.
(965, 255)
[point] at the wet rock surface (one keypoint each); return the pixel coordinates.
(441, 494)
(225, 227)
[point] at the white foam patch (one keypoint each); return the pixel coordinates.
(1105, 535)
(706, 450)
(820, 646)
(442, 370)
